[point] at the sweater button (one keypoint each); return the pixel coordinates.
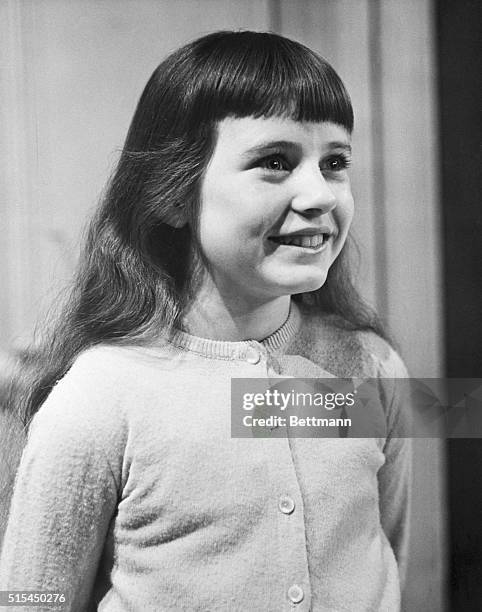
(295, 593)
(252, 356)
(286, 504)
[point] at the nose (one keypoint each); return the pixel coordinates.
(314, 195)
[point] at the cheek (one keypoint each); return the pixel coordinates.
(344, 212)
(343, 216)
(229, 227)
(233, 216)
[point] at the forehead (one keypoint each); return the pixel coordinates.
(239, 134)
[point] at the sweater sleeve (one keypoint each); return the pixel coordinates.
(65, 496)
(395, 478)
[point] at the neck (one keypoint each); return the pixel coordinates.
(218, 317)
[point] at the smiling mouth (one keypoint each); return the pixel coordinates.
(306, 242)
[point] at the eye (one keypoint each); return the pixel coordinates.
(337, 163)
(275, 163)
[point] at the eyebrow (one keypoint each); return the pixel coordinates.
(339, 144)
(263, 147)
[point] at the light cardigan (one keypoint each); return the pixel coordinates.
(132, 496)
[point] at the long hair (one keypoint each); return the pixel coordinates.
(134, 275)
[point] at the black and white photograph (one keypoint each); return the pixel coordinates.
(241, 306)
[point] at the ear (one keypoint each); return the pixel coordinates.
(175, 217)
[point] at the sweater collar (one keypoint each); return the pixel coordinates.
(220, 349)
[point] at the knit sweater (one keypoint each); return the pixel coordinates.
(132, 495)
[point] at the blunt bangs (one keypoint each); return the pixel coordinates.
(263, 75)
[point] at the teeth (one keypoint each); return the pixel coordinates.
(312, 242)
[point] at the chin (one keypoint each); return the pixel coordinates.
(307, 285)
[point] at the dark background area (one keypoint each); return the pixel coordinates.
(458, 29)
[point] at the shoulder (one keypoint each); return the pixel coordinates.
(329, 341)
(112, 363)
(92, 411)
(386, 360)
(97, 374)
(84, 415)
(101, 376)
(106, 372)
(105, 383)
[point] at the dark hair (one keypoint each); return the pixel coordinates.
(134, 275)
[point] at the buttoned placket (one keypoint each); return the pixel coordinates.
(291, 530)
(288, 503)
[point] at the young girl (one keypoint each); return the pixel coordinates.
(218, 252)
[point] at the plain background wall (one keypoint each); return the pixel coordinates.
(71, 73)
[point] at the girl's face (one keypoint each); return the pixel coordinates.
(276, 206)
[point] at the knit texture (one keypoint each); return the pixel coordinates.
(132, 496)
